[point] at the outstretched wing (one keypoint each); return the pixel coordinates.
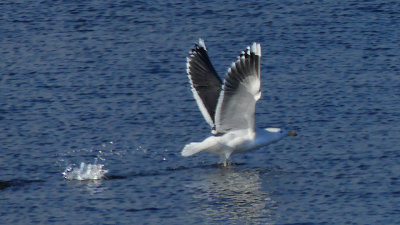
(206, 85)
(241, 90)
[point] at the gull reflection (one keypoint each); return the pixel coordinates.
(235, 197)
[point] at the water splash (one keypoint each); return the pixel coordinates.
(85, 172)
(73, 170)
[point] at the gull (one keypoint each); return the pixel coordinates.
(229, 107)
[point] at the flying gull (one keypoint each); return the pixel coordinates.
(229, 107)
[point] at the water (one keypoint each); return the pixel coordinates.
(98, 88)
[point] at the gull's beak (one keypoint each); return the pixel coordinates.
(292, 133)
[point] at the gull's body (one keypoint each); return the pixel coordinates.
(229, 107)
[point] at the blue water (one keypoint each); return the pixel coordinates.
(104, 83)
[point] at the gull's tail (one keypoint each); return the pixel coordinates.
(192, 148)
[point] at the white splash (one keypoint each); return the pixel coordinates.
(85, 172)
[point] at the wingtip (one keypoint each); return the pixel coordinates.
(256, 48)
(202, 44)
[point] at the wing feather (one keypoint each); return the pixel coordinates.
(205, 82)
(241, 91)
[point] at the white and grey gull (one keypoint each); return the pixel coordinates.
(229, 106)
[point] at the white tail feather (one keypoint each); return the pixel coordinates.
(192, 148)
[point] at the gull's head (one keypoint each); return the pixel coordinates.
(280, 132)
(270, 135)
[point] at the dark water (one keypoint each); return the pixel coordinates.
(103, 82)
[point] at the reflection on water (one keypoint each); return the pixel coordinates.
(95, 187)
(236, 197)
(89, 187)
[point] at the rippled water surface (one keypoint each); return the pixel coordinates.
(97, 90)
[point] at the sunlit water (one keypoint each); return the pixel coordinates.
(95, 107)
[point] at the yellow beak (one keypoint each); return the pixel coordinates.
(292, 133)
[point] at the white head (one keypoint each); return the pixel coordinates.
(270, 135)
(279, 133)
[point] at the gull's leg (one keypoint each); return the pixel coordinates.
(227, 156)
(221, 159)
